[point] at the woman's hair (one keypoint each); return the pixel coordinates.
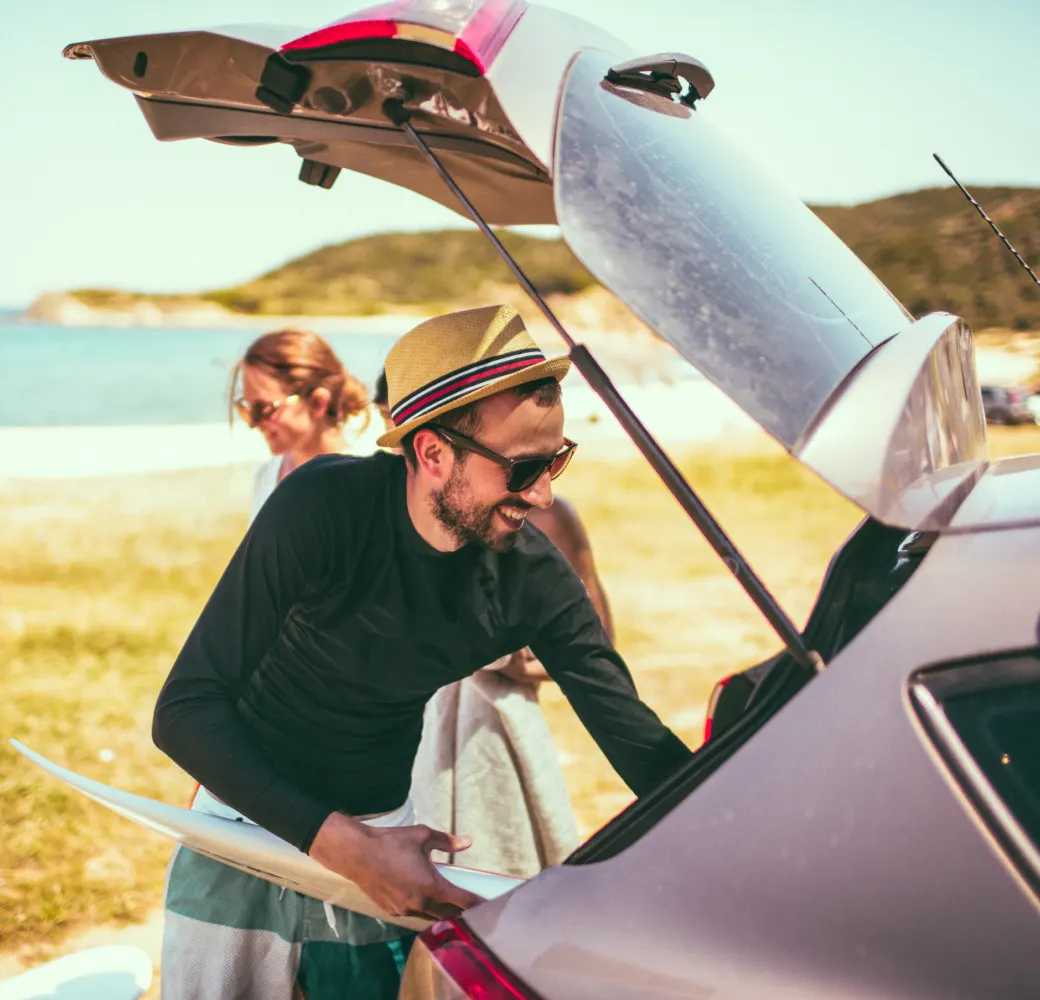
(303, 361)
(381, 396)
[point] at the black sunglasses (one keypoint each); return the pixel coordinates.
(521, 473)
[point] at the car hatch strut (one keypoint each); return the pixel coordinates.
(594, 374)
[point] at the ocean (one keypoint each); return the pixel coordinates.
(52, 376)
(87, 401)
(55, 376)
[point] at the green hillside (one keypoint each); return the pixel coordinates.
(933, 251)
(929, 247)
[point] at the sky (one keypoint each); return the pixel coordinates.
(843, 100)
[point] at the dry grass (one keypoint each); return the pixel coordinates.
(100, 582)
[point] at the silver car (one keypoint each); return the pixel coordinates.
(866, 824)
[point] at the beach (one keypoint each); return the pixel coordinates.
(689, 414)
(113, 534)
(83, 402)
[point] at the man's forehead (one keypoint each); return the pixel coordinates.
(520, 426)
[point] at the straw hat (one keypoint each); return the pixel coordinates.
(449, 361)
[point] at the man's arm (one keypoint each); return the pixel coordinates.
(573, 646)
(299, 538)
(288, 548)
(561, 524)
(563, 527)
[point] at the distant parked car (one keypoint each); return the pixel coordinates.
(1007, 405)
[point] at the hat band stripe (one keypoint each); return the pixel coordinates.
(453, 376)
(460, 386)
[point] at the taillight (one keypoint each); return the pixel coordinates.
(713, 703)
(448, 962)
(474, 29)
(1015, 395)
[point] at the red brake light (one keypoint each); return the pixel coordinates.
(1015, 395)
(449, 961)
(713, 702)
(476, 30)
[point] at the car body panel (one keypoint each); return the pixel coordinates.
(1008, 494)
(832, 856)
(204, 84)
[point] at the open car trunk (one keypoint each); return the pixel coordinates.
(865, 574)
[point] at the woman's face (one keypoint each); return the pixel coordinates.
(288, 425)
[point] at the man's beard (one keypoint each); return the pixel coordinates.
(470, 522)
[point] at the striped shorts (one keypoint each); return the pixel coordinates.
(232, 936)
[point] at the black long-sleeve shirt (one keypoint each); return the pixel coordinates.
(301, 688)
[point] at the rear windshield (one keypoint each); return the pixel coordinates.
(736, 273)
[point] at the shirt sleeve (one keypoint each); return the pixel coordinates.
(288, 549)
(576, 653)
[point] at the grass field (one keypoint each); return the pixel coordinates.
(100, 581)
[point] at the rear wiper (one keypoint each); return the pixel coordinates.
(665, 74)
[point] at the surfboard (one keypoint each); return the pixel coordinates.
(112, 972)
(255, 850)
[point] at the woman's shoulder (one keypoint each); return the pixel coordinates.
(265, 479)
(267, 472)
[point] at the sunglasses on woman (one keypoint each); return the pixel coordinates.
(256, 412)
(521, 473)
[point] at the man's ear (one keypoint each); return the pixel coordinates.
(433, 456)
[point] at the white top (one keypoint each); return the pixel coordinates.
(358, 438)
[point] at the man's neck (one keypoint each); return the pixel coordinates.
(425, 522)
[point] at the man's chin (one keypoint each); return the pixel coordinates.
(506, 542)
(503, 540)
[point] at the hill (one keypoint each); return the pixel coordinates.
(933, 251)
(929, 247)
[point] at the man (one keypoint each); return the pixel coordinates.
(363, 586)
(561, 524)
(487, 765)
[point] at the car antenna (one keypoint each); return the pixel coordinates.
(590, 368)
(992, 224)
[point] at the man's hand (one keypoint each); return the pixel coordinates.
(525, 668)
(392, 866)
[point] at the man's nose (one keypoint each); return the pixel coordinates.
(539, 493)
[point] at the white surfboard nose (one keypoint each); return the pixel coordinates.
(255, 850)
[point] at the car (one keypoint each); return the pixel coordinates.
(1007, 405)
(865, 820)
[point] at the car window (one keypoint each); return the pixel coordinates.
(1001, 730)
(984, 719)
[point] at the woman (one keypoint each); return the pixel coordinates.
(298, 394)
